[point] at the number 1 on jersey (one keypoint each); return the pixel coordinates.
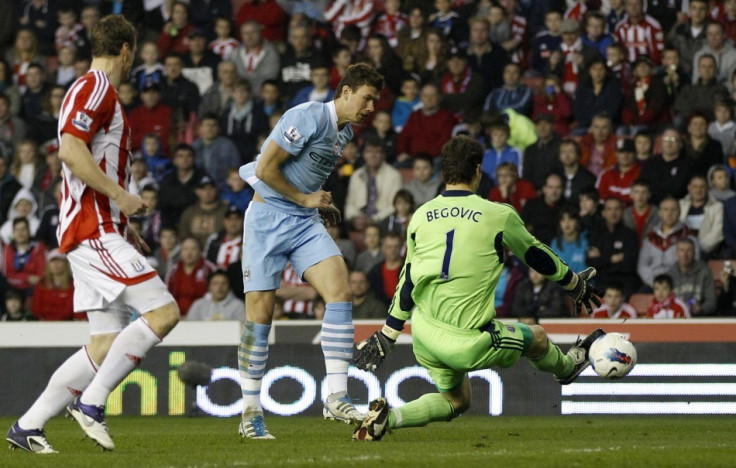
(449, 238)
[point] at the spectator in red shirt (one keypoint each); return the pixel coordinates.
(151, 116)
(187, 281)
(665, 304)
(599, 145)
(427, 128)
(175, 34)
(617, 181)
(385, 276)
(510, 188)
(640, 33)
(554, 102)
(53, 296)
(613, 306)
(22, 259)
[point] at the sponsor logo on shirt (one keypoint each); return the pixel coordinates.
(292, 135)
(82, 121)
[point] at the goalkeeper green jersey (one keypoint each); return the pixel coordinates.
(455, 255)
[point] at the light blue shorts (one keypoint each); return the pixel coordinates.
(272, 237)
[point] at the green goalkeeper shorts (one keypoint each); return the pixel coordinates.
(449, 353)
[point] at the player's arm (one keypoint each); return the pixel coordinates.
(373, 351)
(540, 257)
(73, 152)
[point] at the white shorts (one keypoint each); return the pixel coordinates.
(110, 275)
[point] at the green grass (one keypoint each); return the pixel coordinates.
(512, 442)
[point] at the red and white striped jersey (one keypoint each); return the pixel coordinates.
(92, 112)
(344, 12)
(229, 252)
(643, 38)
(519, 31)
(293, 307)
(224, 47)
(576, 11)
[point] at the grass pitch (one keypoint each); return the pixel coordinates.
(599, 441)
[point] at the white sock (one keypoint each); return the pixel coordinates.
(252, 358)
(69, 380)
(126, 352)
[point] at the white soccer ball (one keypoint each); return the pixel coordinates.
(612, 356)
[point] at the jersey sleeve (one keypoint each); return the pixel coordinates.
(402, 304)
(531, 251)
(295, 129)
(86, 107)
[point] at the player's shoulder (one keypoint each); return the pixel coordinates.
(307, 115)
(94, 85)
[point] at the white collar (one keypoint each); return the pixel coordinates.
(333, 114)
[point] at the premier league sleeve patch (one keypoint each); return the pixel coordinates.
(292, 135)
(82, 121)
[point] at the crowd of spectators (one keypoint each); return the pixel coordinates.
(608, 124)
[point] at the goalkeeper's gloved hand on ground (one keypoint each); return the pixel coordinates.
(582, 292)
(372, 351)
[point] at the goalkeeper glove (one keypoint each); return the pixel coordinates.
(582, 292)
(372, 351)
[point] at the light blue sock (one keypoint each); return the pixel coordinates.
(338, 335)
(252, 357)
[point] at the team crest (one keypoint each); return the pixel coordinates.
(138, 267)
(82, 121)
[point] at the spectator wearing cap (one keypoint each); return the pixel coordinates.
(177, 91)
(617, 181)
(256, 59)
(219, 303)
(555, 104)
(200, 64)
(646, 103)
(53, 296)
(462, 89)
(371, 188)
(151, 116)
(722, 49)
(175, 34)
(512, 95)
(542, 157)
(484, 57)
(223, 247)
(206, 216)
(428, 128)
(177, 188)
(573, 56)
(214, 153)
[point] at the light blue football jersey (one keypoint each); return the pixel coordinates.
(309, 133)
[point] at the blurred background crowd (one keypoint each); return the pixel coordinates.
(608, 124)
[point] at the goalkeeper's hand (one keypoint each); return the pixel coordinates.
(582, 292)
(373, 351)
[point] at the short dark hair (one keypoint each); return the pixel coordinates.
(360, 74)
(575, 144)
(664, 278)
(423, 157)
(460, 158)
(21, 220)
(405, 195)
(218, 272)
(210, 116)
(110, 34)
(615, 285)
(185, 147)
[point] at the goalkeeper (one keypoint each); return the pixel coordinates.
(455, 251)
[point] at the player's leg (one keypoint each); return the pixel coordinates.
(264, 233)
(252, 358)
(330, 278)
(548, 357)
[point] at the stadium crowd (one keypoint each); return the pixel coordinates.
(609, 125)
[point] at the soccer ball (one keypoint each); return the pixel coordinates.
(612, 356)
